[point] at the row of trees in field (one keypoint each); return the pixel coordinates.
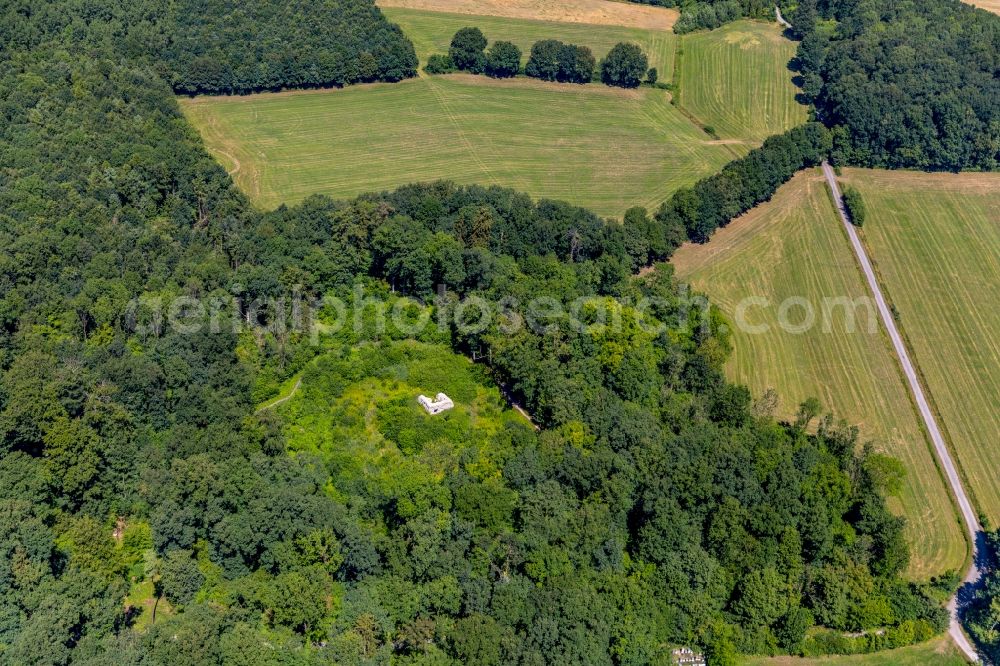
(695, 213)
(550, 60)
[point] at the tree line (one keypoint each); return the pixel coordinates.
(982, 616)
(218, 47)
(624, 66)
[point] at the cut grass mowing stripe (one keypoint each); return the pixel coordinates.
(935, 241)
(595, 146)
(736, 80)
(794, 246)
(940, 652)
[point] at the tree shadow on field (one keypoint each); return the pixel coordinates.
(985, 559)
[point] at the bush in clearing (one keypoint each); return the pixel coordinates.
(439, 64)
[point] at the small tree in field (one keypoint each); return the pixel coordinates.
(467, 50)
(503, 60)
(545, 58)
(625, 66)
(576, 64)
(855, 206)
(652, 76)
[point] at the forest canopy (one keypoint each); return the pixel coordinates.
(658, 504)
(652, 473)
(904, 84)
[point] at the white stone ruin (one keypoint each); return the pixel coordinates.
(687, 657)
(440, 403)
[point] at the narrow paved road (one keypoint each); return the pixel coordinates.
(944, 457)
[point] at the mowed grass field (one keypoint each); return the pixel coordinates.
(935, 241)
(794, 247)
(939, 652)
(595, 146)
(736, 80)
(431, 32)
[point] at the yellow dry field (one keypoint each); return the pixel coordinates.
(988, 5)
(793, 250)
(597, 12)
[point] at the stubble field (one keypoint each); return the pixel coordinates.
(736, 80)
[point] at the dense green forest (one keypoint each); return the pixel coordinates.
(908, 84)
(226, 46)
(904, 84)
(710, 14)
(658, 504)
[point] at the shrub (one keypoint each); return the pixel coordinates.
(652, 76)
(624, 66)
(439, 64)
(709, 16)
(503, 60)
(553, 60)
(855, 206)
(467, 50)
